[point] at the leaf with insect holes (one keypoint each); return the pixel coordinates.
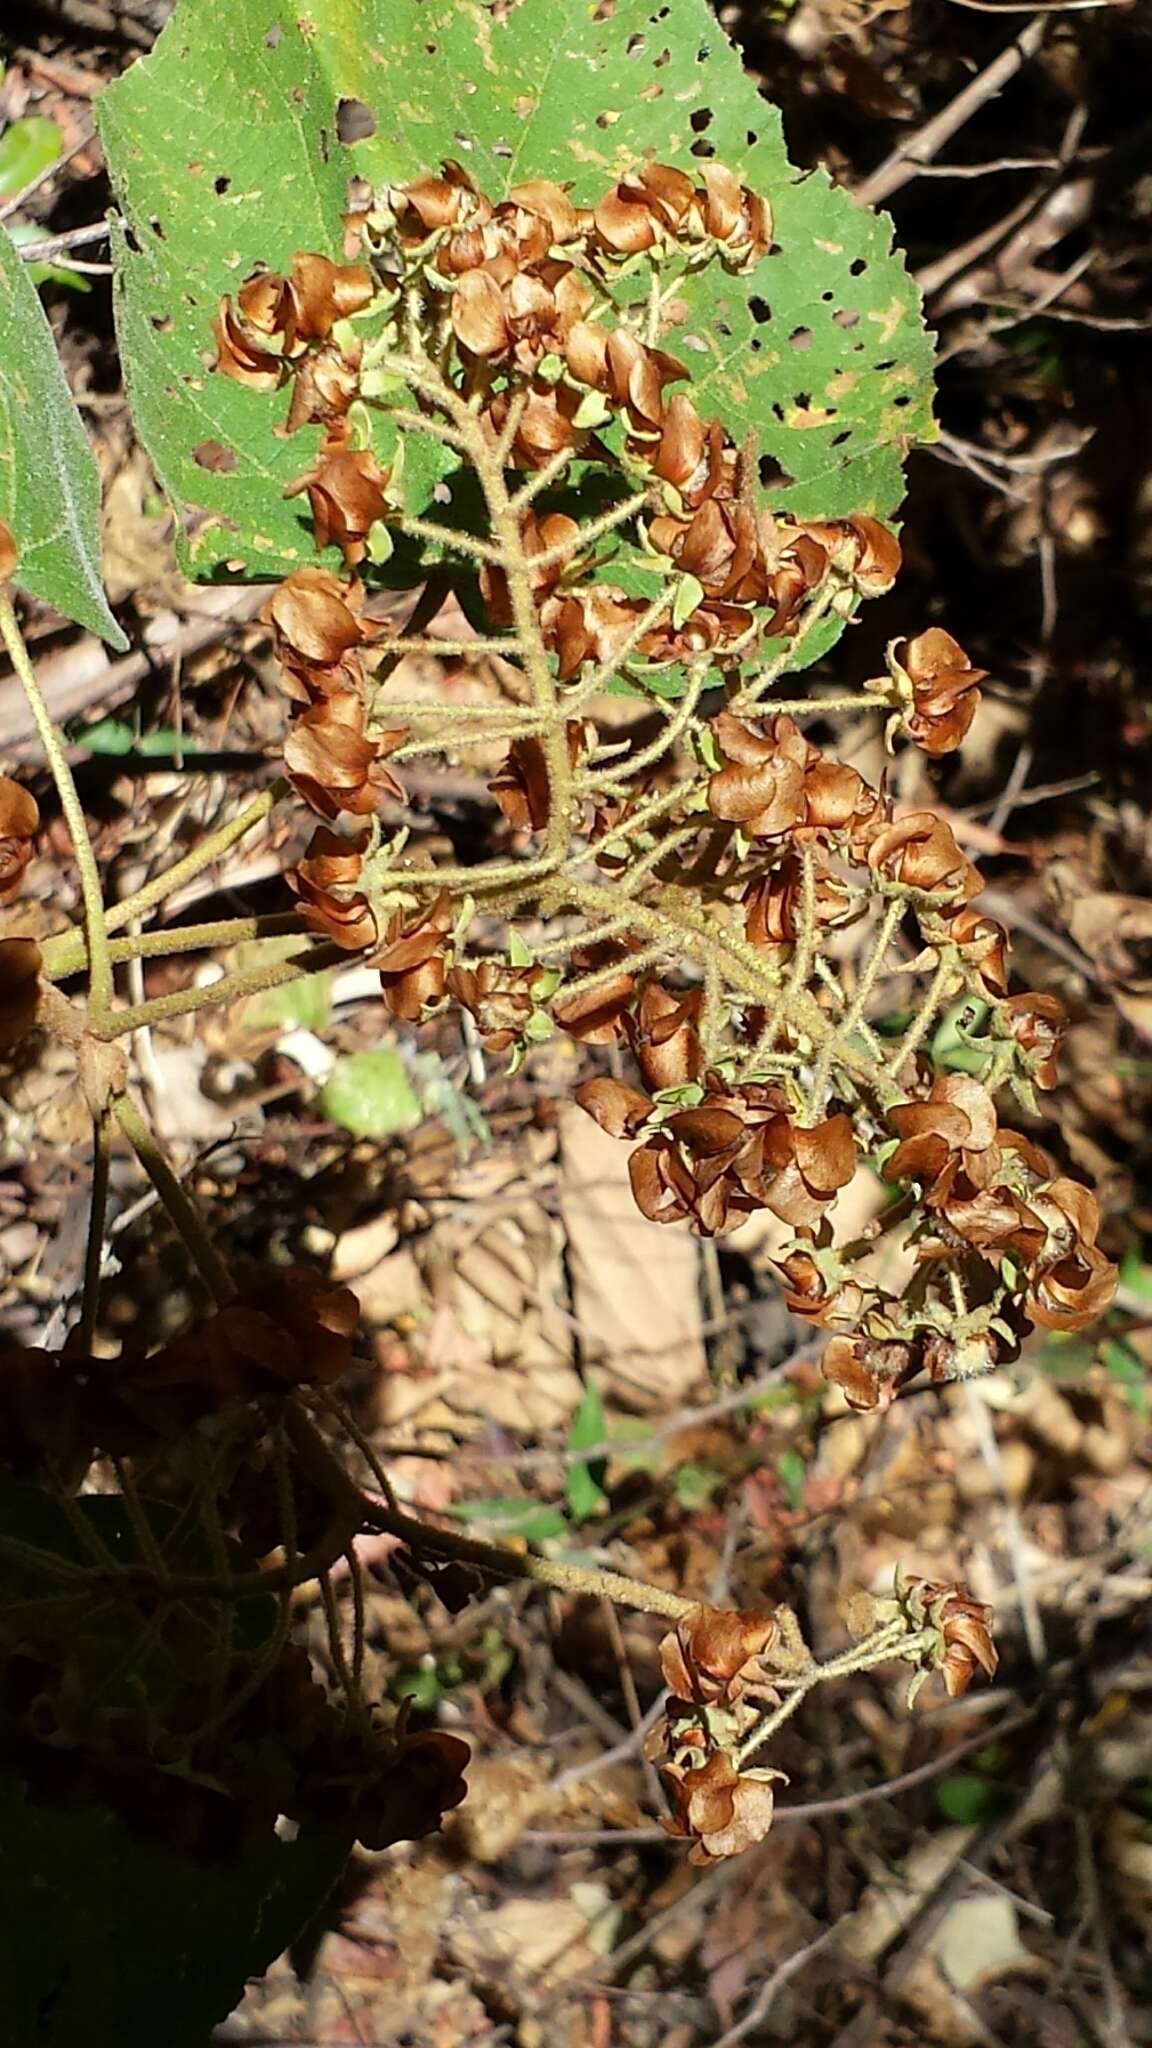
(820, 348)
(49, 483)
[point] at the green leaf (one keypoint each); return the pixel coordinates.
(299, 1005)
(1126, 1366)
(49, 484)
(116, 736)
(27, 148)
(25, 231)
(523, 1518)
(968, 1799)
(793, 1474)
(1135, 1275)
(224, 151)
(695, 1486)
(370, 1094)
(584, 1483)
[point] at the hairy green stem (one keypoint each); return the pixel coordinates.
(95, 926)
(192, 938)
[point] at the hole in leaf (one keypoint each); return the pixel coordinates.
(889, 363)
(354, 121)
(132, 240)
(163, 323)
(608, 118)
(801, 339)
(827, 297)
(759, 308)
(430, 49)
(703, 147)
(659, 62)
(773, 474)
(904, 399)
(701, 120)
(220, 185)
(502, 149)
(635, 46)
(846, 318)
(274, 37)
(156, 228)
(751, 138)
(651, 92)
(215, 456)
(803, 399)
(605, 10)
(858, 267)
(703, 53)
(462, 141)
(839, 439)
(778, 409)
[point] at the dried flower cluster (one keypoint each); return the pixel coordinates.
(734, 1677)
(690, 886)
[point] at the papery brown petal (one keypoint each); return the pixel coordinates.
(310, 609)
(617, 1109)
(706, 1131)
(551, 202)
(826, 1154)
(325, 292)
(479, 319)
(724, 201)
(623, 226)
(682, 442)
(328, 759)
(843, 1365)
(242, 359)
(19, 822)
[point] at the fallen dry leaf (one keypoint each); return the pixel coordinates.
(635, 1285)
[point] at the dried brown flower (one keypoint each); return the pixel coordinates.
(961, 1629)
(325, 881)
(715, 1653)
(920, 852)
(718, 1808)
(19, 823)
(347, 494)
(412, 964)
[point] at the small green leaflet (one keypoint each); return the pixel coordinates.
(370, 1094)
(584, 1483)
(523, 1518)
